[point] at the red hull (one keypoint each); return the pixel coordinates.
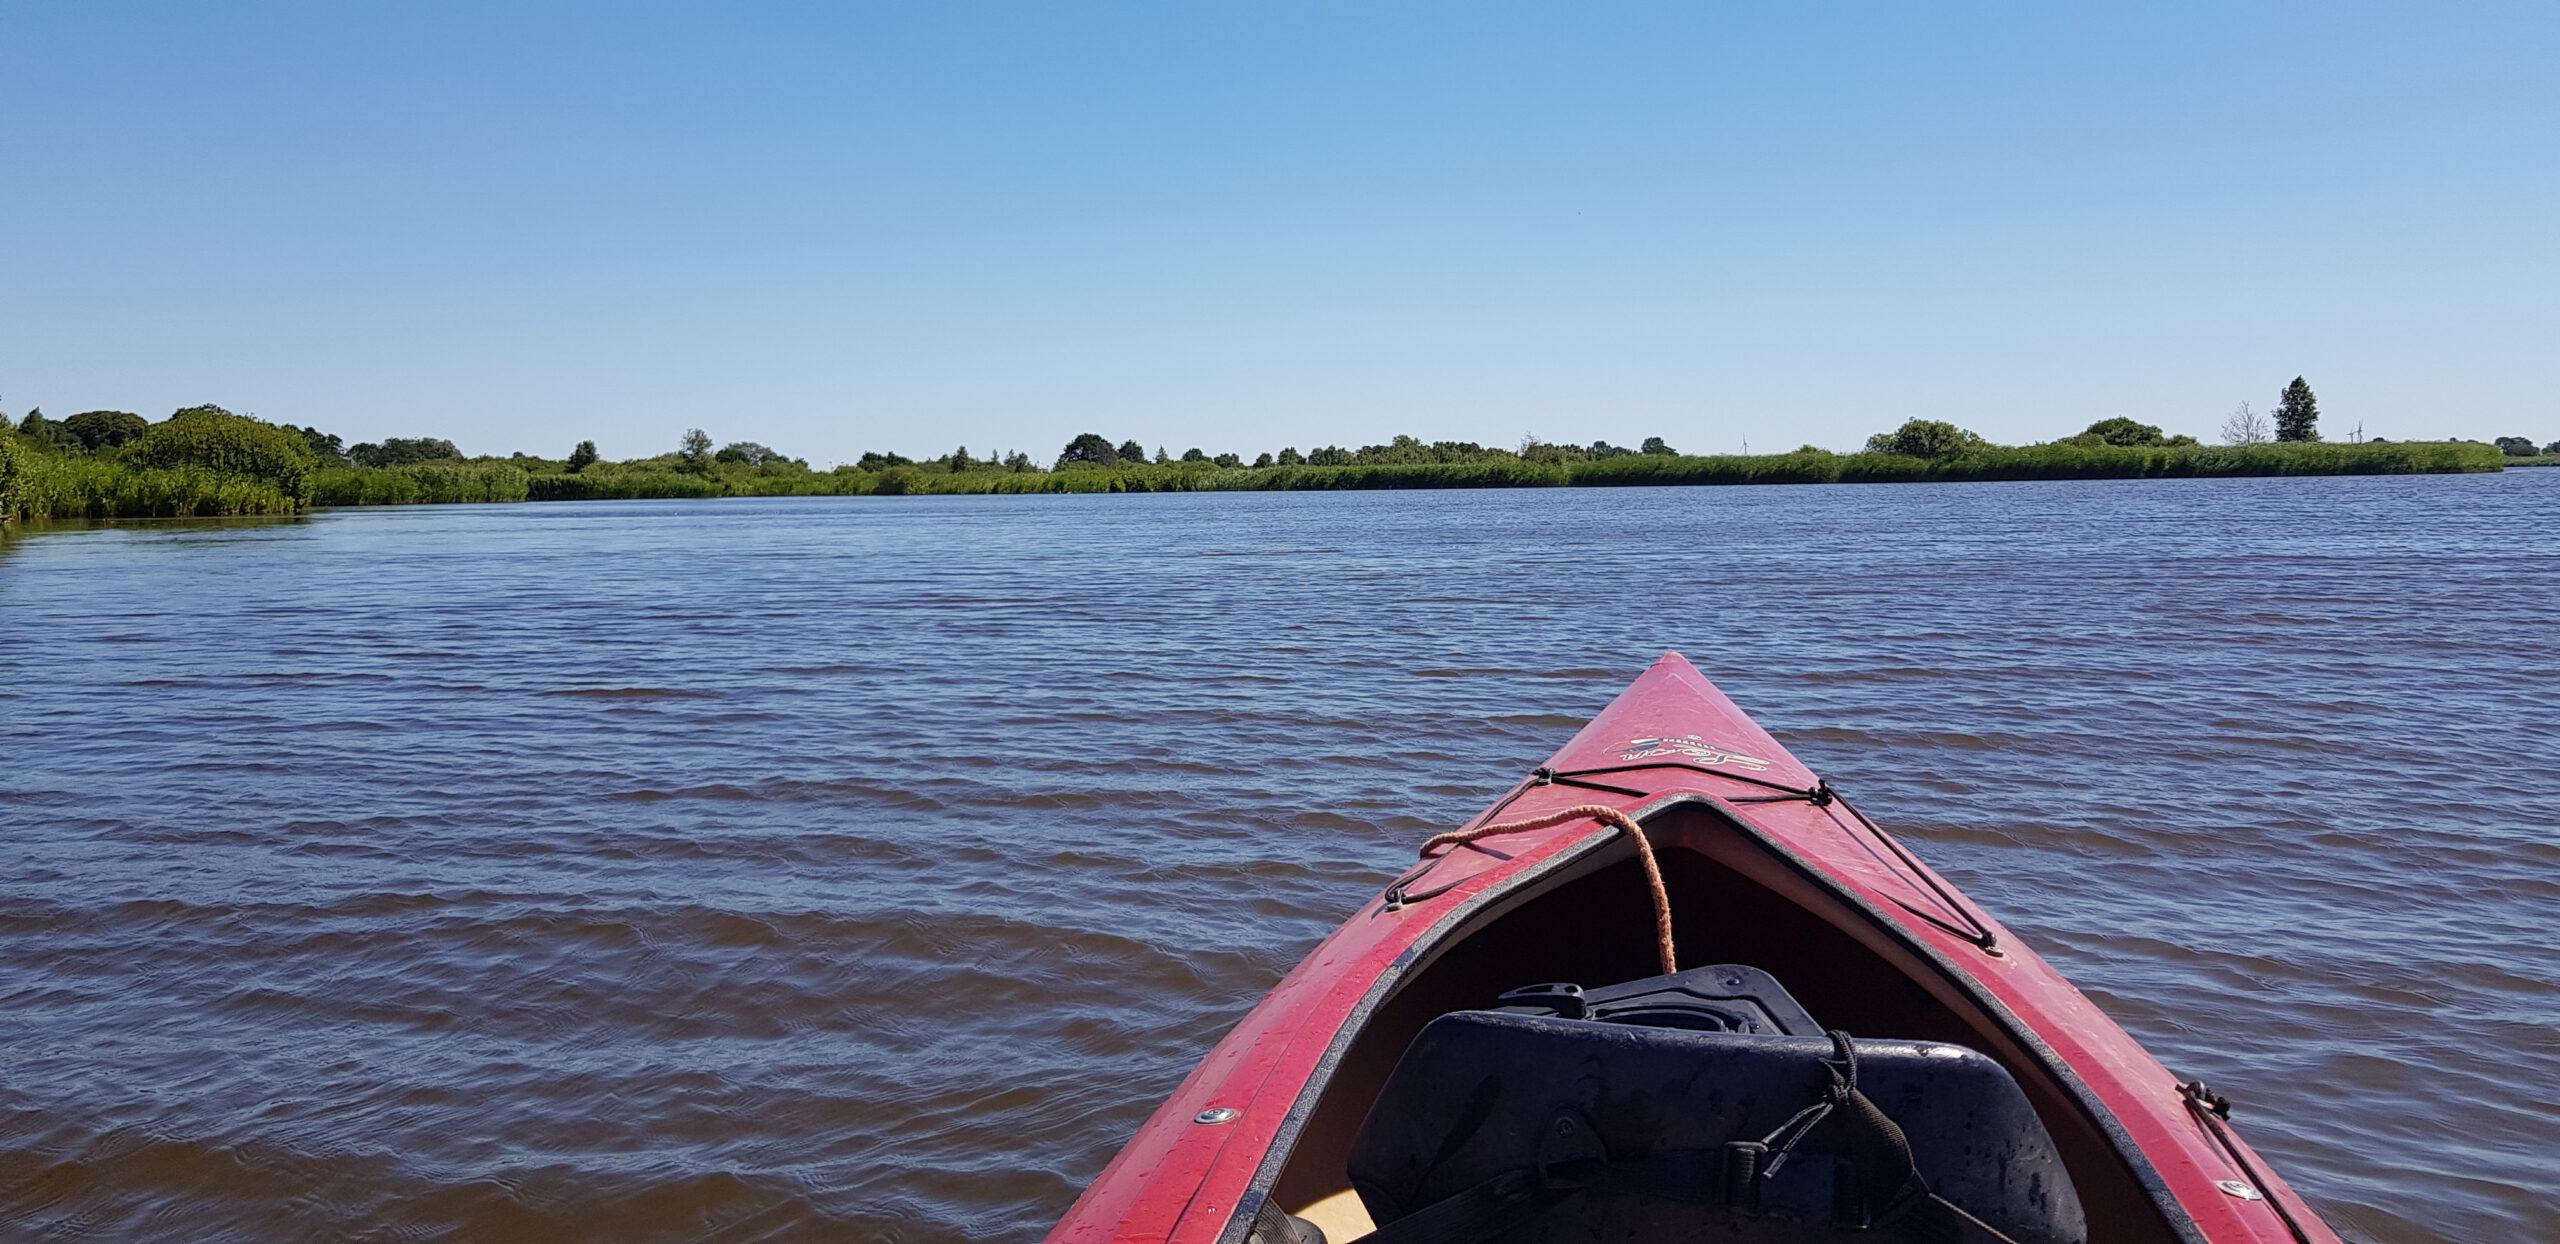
(1181, 1180)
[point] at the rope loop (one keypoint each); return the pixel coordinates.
(1606, 815)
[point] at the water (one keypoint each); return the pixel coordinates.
(866, 869)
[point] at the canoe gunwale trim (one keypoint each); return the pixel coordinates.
(1965, 983)
(1821, 794)
(1491, 902)
(1426, 947)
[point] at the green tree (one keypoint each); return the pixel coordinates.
(2517, 447)
(1019, 463)
(1088, 449)
(227, 444)
(1925, 438)
(1289, 456)
(98, 429)
(582, 457)
(401, 451)
(46, 432)
(1534, 448)
(693, 453)
(873, 460)
(1329, 455)
(1132, 452)
(1262, 460)
(1407, 449)
(2122, 431)
(961, 462)
(1193, 454)
(746, 453)
(1653, 445)
(326, 446)
(2297, 413)
(1229, 461)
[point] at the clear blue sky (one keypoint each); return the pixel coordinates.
(908, 226)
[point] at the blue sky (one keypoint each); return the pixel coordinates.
(838, 227)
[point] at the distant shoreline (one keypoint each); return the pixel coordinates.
(73, 488)
(2037, 462)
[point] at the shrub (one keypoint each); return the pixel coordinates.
(215, 440)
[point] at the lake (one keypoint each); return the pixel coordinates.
(868, 868)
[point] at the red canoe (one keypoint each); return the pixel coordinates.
(1846, 1048)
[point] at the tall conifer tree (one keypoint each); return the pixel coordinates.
(2297, 413)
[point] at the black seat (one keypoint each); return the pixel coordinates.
(1527, 1127)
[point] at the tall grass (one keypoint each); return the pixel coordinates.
(13, 474)
(63, 487)
(42, 484)
(1498, 473)
(621, 486)
(421, 483)
(2056, 461)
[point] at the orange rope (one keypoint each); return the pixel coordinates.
(1606, 816)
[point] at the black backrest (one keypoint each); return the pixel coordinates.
(1643, 1118)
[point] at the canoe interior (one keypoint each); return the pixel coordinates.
(1733, 901)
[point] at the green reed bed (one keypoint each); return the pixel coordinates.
(423, 483)
(1804, 467)
(1184, 477)
(1649, 469)
(218, 465)
(1202, 477)
(1512, 473)
(2056, 461)
(622, 486)
(55, 487)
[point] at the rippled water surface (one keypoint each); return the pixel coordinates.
(868, 868)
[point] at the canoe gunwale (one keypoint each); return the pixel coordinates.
(1590, 852)
(1599, 847)
(1291, 1083)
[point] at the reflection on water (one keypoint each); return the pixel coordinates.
(868, 868)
